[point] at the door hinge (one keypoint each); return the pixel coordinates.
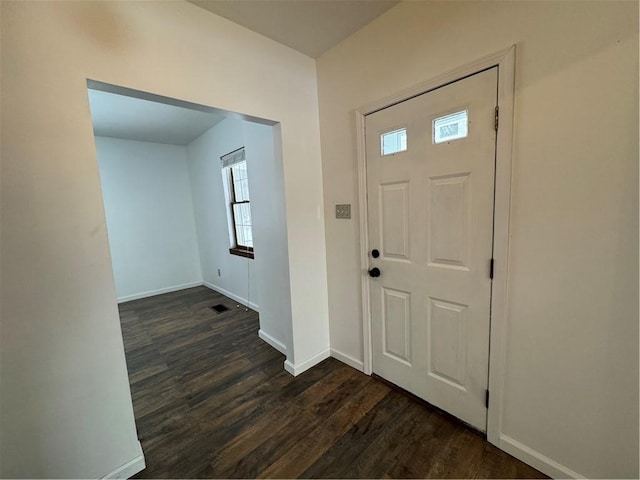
(497, 117)
(486, 398)
(491, 263)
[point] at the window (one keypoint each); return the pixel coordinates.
(450, 127)
(239, 210)
(393, 142)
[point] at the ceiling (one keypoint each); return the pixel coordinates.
(131, 118)
(309, 26)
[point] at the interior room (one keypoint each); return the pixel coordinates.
(168, 203)
(444, 212)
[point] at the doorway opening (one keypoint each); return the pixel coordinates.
(184, 210)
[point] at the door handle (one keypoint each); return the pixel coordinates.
(374, 272)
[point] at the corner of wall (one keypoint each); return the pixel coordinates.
(130, 468)
(296, 369)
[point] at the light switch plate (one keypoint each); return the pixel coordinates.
(343, 211)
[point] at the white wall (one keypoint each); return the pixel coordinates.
(268, 213)
(66, 406)
(571, 384)
(237, 274)
(149, 213)
(267, 275)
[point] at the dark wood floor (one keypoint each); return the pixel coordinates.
(212, 400)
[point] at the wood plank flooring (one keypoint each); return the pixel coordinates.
(212, 400)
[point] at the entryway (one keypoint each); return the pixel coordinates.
(435, 180)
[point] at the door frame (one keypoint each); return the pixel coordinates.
(505, 61)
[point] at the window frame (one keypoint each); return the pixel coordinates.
(236, 249)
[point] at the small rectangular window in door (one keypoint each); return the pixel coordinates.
(393, 142)
(450, 127)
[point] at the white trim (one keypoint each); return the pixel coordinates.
(231, 295)
(505, 60)
(290, 367)
(277, 344)
(536, 459)
(151, 293)
(129, 469)
(348, 359)
(501, 229)
(297, 369)
(364, 240)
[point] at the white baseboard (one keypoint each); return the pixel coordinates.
(151, 293)
(297, 369)
(129, 469)
(277, 344)
(348, 359)
(536, 459)
(229, 294)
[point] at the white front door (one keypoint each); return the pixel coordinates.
(431, 235)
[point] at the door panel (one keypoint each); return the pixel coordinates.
(396, 318)
(447, 323)
(431, 216)
(448, 222)
(394, 221)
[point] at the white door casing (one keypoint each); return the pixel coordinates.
(431, 218)
(505, 60)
